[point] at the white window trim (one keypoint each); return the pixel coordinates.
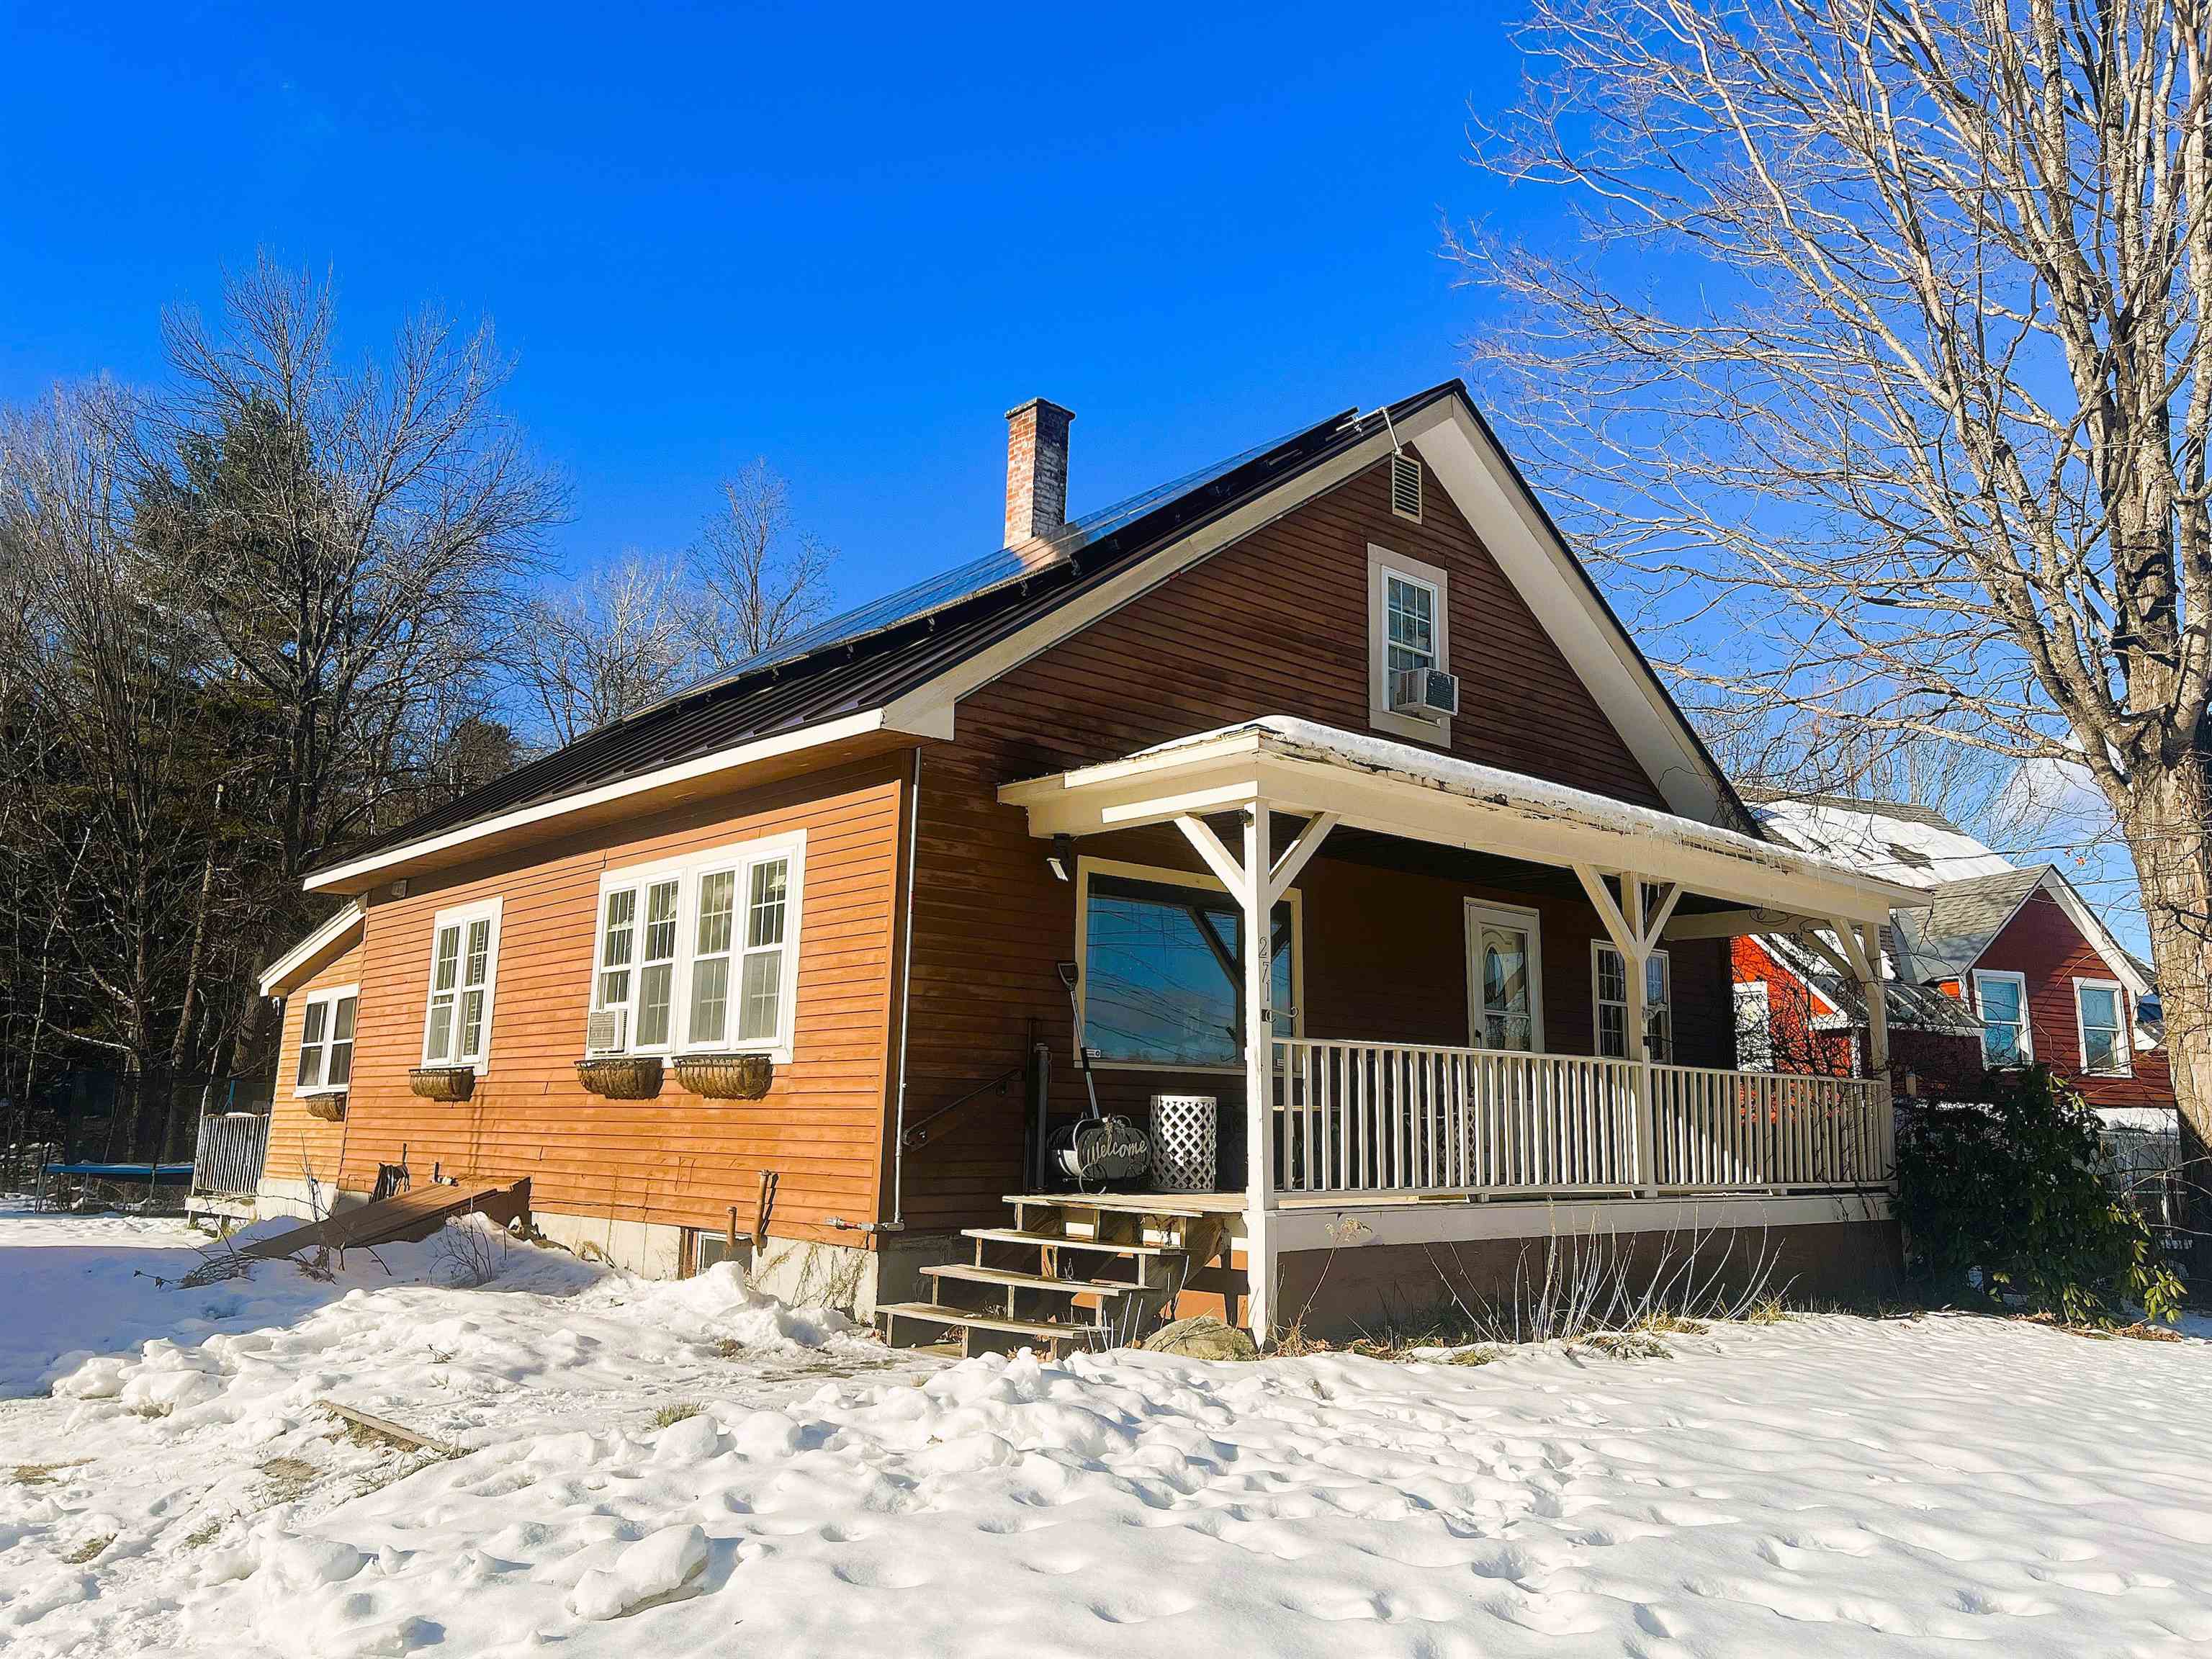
(1476, 912)
(2124, 1039)
(460, 915)
(688, 871)
(1743, 993)
(332, 994)
(1598, 946)
(2027, 1016)
(1382, 565)
(1085, 868)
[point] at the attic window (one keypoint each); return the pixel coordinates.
(1911, 857)
(1405, 486)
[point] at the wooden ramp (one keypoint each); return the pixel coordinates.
(403, 1218)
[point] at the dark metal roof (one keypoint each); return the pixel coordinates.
(872, 655)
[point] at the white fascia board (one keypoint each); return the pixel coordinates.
(277, 978)
(922, 724)
(1245, 764)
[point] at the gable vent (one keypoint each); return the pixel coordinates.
(1405, 486)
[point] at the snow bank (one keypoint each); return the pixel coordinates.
(1821, 1486)
(1824, 1486)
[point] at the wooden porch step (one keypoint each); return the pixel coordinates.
(1008, 1277)
(1104, 1246)
(938, 1313)
(1192, 1206)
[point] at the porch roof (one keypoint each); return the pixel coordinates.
(1304, 767)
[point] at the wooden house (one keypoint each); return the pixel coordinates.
(1321, 786)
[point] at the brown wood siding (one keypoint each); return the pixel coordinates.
(1276, 624)
(2042, 943)
(299, 1145)
(676, 1159)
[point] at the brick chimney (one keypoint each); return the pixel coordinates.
(1037, 472)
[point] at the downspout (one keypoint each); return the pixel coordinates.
(898, 1222)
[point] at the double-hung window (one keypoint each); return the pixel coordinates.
(2100, 1011)
(2003, 998)
(1408, 627)
(700, 953)
(1609, 977)
(464, 965)
(327, 1020)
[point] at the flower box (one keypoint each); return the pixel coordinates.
(443, 1082)
(621, 1077)
(330, 1108)
(727, 1077)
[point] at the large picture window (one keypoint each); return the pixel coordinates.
(700, 953)
(327, 1020)
(464, 968)
(1163, 975)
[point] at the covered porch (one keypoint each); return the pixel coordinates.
(1489, 1139)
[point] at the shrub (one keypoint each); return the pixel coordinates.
(2011, 1191)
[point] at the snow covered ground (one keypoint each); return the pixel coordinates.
(1819, 1487)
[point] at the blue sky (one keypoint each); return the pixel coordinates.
(847, 241)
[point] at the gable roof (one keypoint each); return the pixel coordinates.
(307, 957)
(1915, 844)
(899, 665)
(1906, 1004)
(1945, 938)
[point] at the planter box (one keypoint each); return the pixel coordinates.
(621, 1077)
(331, 1108)
(443, 1082)
(727, 1077)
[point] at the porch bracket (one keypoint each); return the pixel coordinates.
(1296, 855)
(1227, 869)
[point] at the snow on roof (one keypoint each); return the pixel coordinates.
(1898, 843)
(2143, 1120)
(1311, 740)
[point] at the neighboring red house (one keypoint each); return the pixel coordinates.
(1795, 1013)
(2017, 950)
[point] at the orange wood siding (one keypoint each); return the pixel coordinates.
(299, 1145)
(679, 1158)
(1275, 624)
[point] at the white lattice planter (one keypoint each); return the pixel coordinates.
(1185, 1128)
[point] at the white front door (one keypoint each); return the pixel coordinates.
(1504, 977)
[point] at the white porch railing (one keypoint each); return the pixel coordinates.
(1379, 1117)
(227, 1164)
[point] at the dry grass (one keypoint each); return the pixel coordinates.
(668, 1416)
(289, 1479)
(42, 1475)
(728, 1347)
(88, 1550)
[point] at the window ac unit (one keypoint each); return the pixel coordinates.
(1427, 694)
(607, 1031)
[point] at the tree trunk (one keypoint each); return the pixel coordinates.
(2168, 832)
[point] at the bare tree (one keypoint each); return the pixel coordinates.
(762, 580)
(353, 529)
(1886, 341)
(607, 646)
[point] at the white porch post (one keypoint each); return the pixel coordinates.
(1252, 893)
(1876, 1003)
